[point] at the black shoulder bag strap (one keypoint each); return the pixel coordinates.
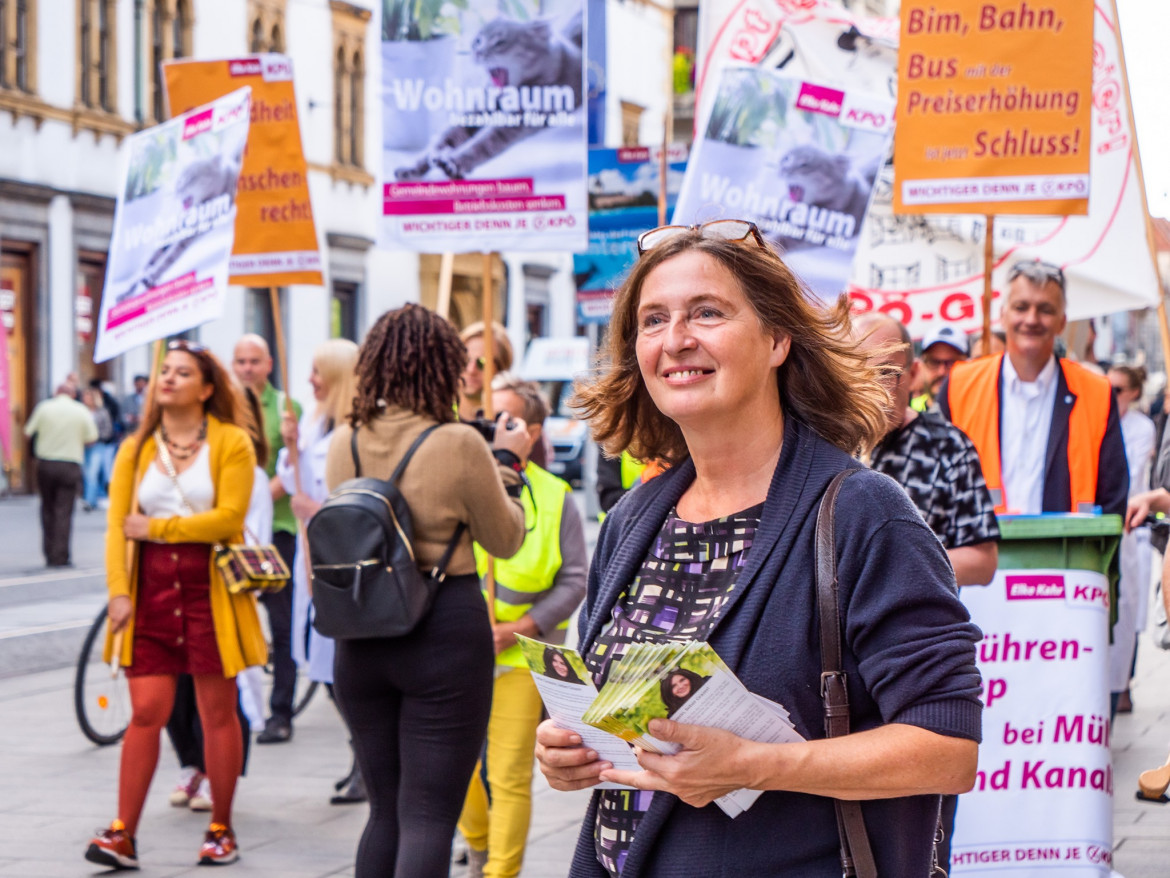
(439, 571)
(856, 856)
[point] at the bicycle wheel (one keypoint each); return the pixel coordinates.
(304, 694)
(102, 700)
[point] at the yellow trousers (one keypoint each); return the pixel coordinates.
(496, 817)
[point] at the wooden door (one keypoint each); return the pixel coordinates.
(16, 306)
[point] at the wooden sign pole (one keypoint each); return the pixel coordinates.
(489, 373)
(294, 454)
(988, 265)
(446, 276)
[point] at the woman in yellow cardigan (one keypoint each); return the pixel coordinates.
(180, 485)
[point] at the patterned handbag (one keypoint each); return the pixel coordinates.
(244, 567)
(251, 568)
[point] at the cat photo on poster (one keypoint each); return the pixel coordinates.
(484, 125)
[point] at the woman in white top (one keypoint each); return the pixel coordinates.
(334, 385)
(1138, 432)
(190, 471)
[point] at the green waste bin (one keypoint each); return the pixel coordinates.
(1064, 541)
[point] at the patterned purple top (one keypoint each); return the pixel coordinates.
(678, 595)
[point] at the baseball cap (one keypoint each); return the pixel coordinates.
(950, 336)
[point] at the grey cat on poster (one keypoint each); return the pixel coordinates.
(514, 54)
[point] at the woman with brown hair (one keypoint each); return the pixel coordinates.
(418, 705)
(180, 485)
(721, 363)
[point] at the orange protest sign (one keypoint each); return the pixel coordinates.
(994, 107)
(276, 240)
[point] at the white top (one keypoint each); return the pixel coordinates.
(1025, 420)
(313, 445)
(1138, 433)
(158, 497)
(258, 520)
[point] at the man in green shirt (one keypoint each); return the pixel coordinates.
(61, 427)
(252, 365)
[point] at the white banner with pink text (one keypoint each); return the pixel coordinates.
(1043, 797)
(927, 271)
(174, 225)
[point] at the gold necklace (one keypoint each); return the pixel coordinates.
(182, 451)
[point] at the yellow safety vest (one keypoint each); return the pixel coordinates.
(532, 570)
(631, 470)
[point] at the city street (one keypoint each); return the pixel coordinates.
(58, 787)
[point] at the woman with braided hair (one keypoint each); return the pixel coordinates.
(418, 705)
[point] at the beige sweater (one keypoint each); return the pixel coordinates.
(451, 478)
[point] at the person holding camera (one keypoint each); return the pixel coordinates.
(537, 589)
(418, 705)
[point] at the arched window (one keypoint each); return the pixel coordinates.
(257, 43)
(158, 54)
(356, 81)
(105, 71)
(23, 49)
(180, 29)
(339, 108)
(276, 44)
(85, 56)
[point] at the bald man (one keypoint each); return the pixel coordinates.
(252, 365)
(934, 461)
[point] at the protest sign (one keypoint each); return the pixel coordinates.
(926, 270)
(1043, 796)
(797, 158)
(994, 107)
(624, 186)
(173, 226)
(484, 130)
(276, 239)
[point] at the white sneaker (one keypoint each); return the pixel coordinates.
(189, 777)
(201, 801)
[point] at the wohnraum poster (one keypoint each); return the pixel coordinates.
(624, 186)
(797, 158)
(484, 127)
(174, 224)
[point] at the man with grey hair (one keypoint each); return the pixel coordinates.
(1047, 429)
(933, 461)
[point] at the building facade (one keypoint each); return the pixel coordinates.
(78, 76)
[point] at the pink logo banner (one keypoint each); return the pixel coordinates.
(1034, 587)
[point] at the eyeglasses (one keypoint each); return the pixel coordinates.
(1037, 272)
(191, 347)
(481, 363)
(725, 230)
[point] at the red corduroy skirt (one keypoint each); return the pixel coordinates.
(173, 628)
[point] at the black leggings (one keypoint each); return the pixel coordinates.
(417, 707)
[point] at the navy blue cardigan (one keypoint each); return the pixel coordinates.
(909, 652)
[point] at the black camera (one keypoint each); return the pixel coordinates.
(485, 426)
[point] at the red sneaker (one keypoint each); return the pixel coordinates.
(219, 846)
(113, 847)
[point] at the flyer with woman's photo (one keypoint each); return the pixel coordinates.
(686, 682)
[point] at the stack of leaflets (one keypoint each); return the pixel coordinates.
(686, 682)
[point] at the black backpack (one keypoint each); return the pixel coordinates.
(366, 581)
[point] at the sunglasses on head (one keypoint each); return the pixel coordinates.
(1037, 272)
(191, 347)
(726, 230)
